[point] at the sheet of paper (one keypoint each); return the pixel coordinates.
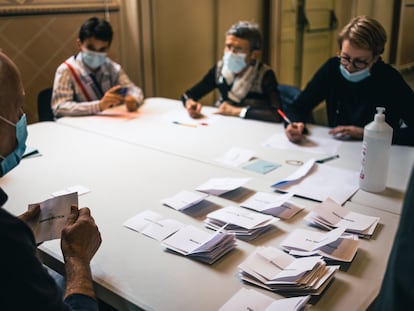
(324, 181)
(261, 166)
(236, 156)
(184, 199)
(218, 186)
(309, 144)
(241, 217)
(53, 216)
(340, 216)
(273, 204)
(301, 172)
(162, 229)
(181, 116)
(187, 239)
(309, 240)
(142, 220)
(80, 189)
(247, 299)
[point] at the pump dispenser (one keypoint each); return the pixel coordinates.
(376, 148)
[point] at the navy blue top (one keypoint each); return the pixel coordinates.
(26, 285)
(349, 103)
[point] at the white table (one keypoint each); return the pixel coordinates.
(152, 127)
(131, 270)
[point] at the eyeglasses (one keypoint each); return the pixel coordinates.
(357, 63)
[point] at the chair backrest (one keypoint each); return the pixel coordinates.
(44, 108)
(288, 94)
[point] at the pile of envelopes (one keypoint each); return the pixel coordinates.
(277, 271)
(245, 224)
(333, 245)
(329, 215)
(200, 245)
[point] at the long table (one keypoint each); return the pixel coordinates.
(153, 127)
(132, 271)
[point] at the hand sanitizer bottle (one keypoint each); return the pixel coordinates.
(376, 148)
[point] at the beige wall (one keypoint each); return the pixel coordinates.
(39, 42)
(166, 46)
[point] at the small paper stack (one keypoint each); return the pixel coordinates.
(329, 215)
(274, 270)
(273, 204)
(250, 299)
(200, 245)
(245, 224)
(331, 245)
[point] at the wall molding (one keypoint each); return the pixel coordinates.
(51, 7)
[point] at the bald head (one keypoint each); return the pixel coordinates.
(11, 89)
(11, 101)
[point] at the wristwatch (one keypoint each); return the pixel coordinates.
(243, 112)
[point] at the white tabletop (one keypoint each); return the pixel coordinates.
(152, 126)
(131, 270)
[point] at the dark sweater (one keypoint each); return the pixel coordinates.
(349, 103)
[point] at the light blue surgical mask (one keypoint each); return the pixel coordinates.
(235, 62)
(11, 160)
(93, 59)
(354, 76)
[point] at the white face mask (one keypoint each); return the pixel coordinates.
(354, 76)
(235, 62)
(93, 59)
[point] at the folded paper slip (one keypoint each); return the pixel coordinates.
(329, 215)
(250, 299)
(320, 181)
(243, 223)
(331, 245)
(199, 244)
(273, 204)
(277, 271)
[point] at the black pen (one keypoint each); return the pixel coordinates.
(327, 159)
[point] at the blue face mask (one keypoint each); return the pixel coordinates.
(355, 76)
(93, 59)
(10, 161)
(235, 62)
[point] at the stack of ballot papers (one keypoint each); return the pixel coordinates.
(272, 204)
(274, 270)
(331, 245)
(329, 215)
(183, 239)
(153, 225)
(200, 245)
(250, 299)
(184, 199)
(245, 224)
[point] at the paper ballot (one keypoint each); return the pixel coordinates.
(184, 199)
(218, 186)
(320, 181)
(329, 214)
(250, 299)
(53, 216)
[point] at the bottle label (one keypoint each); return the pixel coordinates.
(363, 159)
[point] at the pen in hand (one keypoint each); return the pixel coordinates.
(282, 114)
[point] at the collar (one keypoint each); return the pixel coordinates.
(3, 197)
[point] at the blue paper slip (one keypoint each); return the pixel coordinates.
(261, 166)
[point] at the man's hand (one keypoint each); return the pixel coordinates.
(294, 131)
(111, 98)
(193, 108)
(130, 103)
(80, 237)
(31, 214)
(227, 109)
(344, 132)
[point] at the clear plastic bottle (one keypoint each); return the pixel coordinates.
(376, 147)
